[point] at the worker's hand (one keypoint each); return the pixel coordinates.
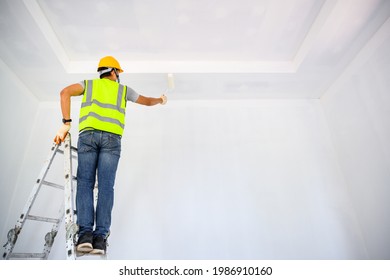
(164, 99)
(61, 134)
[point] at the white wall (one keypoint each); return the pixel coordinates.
(358, 113)
(18, 108)
(224, 180)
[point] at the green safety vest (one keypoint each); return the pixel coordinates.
(103, 106)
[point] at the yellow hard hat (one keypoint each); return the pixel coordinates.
(110, 62)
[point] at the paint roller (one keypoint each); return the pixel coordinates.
(171, 83)
(171, 87)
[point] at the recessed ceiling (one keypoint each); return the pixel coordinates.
(217, 49)
(178, 30)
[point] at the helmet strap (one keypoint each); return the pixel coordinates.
(108, 70)
(117, 75)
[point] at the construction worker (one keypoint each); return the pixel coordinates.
(101, 124)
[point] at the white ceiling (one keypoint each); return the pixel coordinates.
(217, 49)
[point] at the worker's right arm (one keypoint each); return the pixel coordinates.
(66, 94)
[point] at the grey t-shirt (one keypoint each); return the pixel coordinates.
(131, 94)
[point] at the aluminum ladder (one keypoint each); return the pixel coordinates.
(67, 210)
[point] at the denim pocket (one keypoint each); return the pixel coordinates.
(114, 144)
(84, 144)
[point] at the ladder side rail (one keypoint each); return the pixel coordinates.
(70, 225)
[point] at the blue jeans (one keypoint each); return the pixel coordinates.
(98, 153)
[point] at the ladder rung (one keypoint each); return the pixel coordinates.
(43, 219)
(73, 149)
(28, 256)
(54, 185)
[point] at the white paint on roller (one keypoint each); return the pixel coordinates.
(171, 82)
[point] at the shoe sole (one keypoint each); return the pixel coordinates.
(97, 252)
(84, 247)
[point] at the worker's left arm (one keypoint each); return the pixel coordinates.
(151, 101)
(133, 96)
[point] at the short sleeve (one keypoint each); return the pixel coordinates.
(82, 83)
(131, 95)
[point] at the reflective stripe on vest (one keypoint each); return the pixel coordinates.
(103, 106)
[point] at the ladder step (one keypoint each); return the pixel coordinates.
(72, 149)
(54, 185)
(43, 219)
(40, 256)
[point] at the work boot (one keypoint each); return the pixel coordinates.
(84, 244)
(99, 245)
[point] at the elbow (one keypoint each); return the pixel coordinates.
(65, 94)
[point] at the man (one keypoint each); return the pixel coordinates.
(101, 124)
